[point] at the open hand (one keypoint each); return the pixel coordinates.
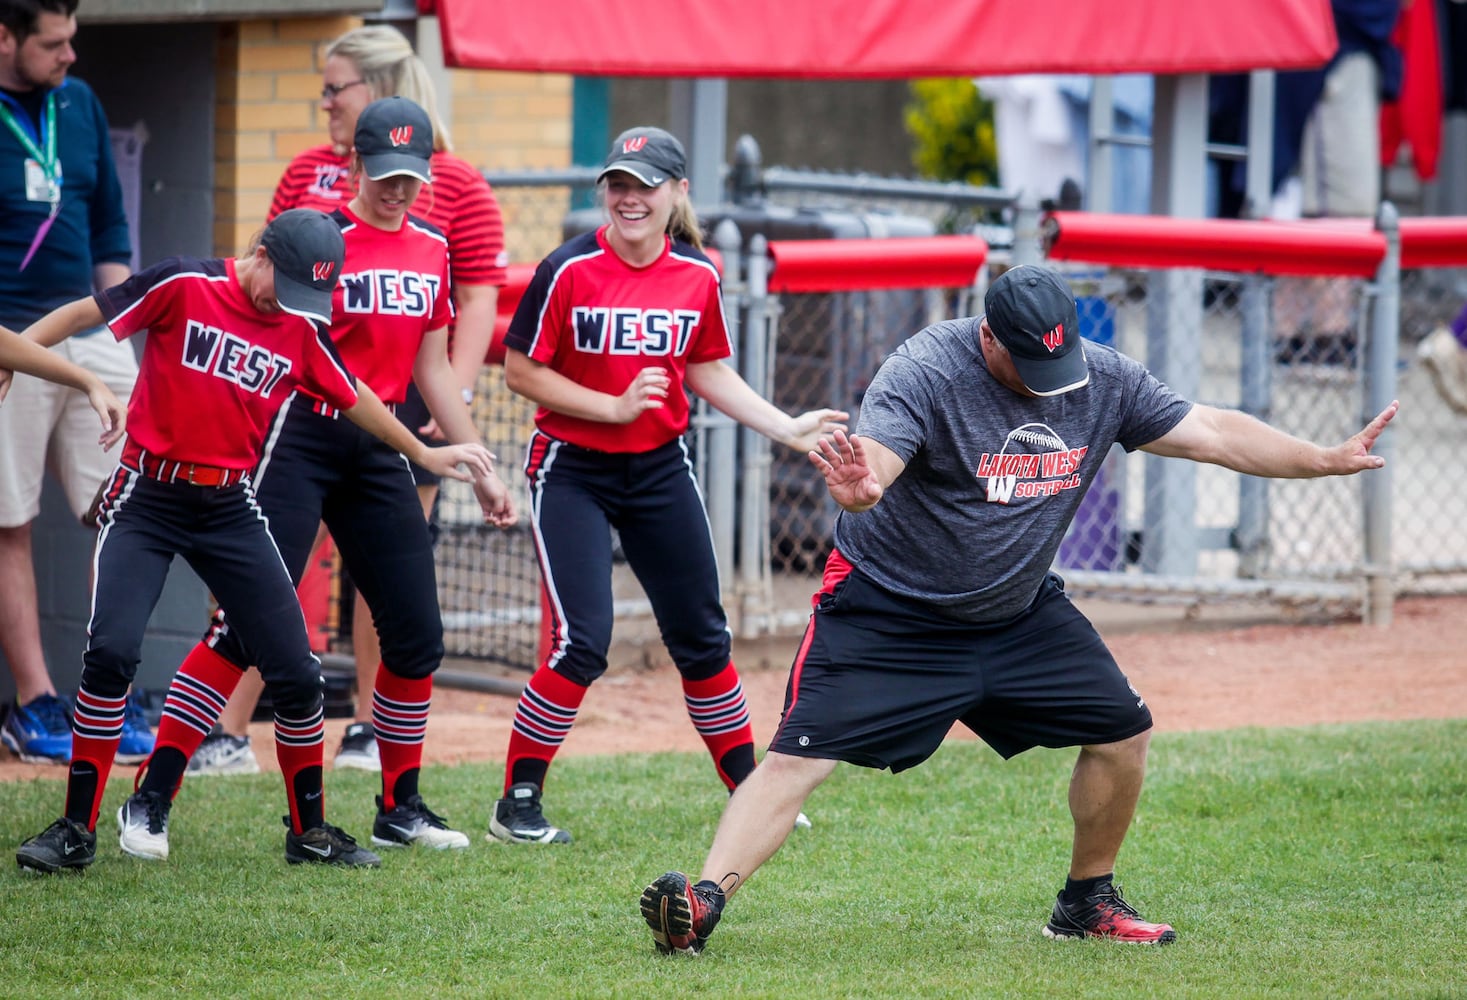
(807, 429)
(445, 461)
(1354, 455)
(841, 459)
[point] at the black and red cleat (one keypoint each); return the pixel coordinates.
(681, 914)
(1104, 914)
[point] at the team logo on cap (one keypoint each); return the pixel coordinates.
(401, 136)
(321, 270)
(634, 145)
(1055, 339)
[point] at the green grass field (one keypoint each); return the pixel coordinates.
(1320, 862)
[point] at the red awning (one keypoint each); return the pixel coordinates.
(884, 38)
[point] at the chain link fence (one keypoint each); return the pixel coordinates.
(1289, 350)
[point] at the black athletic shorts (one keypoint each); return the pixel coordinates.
(879, 679)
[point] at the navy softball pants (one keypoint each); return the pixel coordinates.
(577, 496)
(221, 534)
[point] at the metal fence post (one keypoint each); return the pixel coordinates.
(1381, 351)
(1169, 543)
(719, 454)
(755, 583)
(1252, 538)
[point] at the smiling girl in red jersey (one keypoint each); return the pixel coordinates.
(228, 341)
(612, 328)
(391, 315)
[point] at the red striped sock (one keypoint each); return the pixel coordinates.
(298, 747)
(721, 715)
(543, 718)
(96, 730)
(400, 717)
(196, 698)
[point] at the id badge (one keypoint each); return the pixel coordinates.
(37, 185)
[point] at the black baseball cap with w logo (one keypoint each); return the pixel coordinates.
(394, 137)
(1032, 313)
(648, 154)
(308, 251)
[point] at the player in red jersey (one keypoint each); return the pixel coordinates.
(20, 355)
(363, 65)
(391, 316)
(613, 326)
(228, 341)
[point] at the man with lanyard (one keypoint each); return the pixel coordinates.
(64, 233)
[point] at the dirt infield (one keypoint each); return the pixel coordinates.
(1203, 672)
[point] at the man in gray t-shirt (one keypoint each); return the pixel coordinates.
(976, 441)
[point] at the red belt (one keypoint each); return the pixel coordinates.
(169, 471)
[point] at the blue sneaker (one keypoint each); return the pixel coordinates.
(39, 732)
(137, 735)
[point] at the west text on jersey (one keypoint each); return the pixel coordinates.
(662, 332)
(210, 350)
(387, 292)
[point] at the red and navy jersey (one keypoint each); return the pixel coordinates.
(458, 201)
(215, 370)
(393, 290)
(598, 321)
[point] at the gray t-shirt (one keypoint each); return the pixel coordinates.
(992, 478)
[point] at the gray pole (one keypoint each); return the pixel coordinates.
(719, 435)
(755, 585)
(1381, 350)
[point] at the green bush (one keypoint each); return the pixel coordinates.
(951, 126)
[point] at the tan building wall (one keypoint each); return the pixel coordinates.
(268, 86)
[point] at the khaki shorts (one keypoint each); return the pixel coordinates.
(1339, 158)
(48, 426)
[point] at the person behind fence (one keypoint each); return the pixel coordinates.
(228, 343)
(976, 441)
(65, 231)
(361, 66)
(390, 325)
(616, 324)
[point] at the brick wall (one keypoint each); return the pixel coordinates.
(511, 121)
(268, 85)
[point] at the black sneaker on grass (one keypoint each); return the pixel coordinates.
(517, 818)
(326, 845)
(1104, 914)
(63, 844)
(681, 914)
(142, 826)
(412, 822)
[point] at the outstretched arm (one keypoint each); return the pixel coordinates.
(18, 354)
(1242, 443)
(436, 381)
(857, 470)
(372, 416)
(726, 391)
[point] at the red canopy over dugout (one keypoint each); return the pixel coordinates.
(883, 38)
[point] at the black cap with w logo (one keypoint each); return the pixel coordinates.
(308, 251)
(649, 154)
(394, 137)
(1032, 313)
